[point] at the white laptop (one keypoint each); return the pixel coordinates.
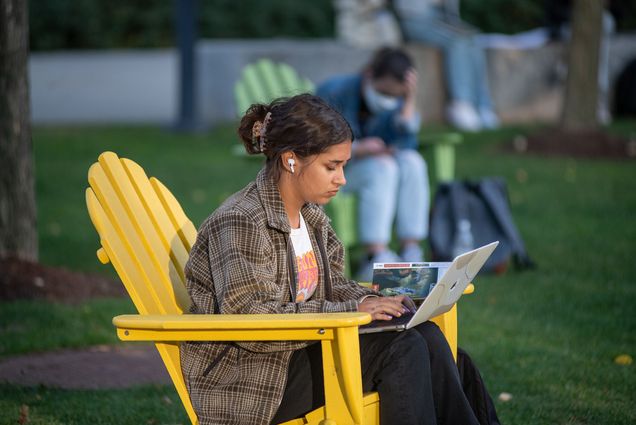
(444, 295)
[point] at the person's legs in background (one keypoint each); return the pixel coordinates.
(609, 26)
(411, 218)
(458, 66)
(482, 98)
(375, 181)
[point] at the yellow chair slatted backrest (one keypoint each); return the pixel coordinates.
(147, 237)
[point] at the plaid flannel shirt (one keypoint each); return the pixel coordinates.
(240, 264)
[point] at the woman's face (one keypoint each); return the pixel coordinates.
(320, 176)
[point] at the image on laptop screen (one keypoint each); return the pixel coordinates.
(416, 280)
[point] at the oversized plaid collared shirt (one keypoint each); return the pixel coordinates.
(240, 264)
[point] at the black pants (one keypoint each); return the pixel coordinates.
(413, 371)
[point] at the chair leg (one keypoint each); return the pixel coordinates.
(447, 322)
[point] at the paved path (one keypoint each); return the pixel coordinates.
(98, 367)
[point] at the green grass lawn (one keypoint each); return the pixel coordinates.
(548, 336)
(148, 405)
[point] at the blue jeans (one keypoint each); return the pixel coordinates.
(390, 188)
(464, 60)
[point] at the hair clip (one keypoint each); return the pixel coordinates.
(256, 135)
(263, 130)
(259, 130)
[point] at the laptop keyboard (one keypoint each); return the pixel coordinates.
(402, 320)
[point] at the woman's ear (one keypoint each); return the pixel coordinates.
(289, 161)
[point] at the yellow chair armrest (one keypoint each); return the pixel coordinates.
(239, 327)
(338, 333)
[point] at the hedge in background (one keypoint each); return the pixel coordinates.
(512, 16)
(97, 24)
(503, 16)
(94, 24)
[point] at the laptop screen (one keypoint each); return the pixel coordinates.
(416, 280)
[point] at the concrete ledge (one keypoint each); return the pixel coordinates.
(528, 85)
(127, 86)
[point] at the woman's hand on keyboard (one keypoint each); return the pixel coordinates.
(385, 308)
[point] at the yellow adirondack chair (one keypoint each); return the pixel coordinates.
(146, 236)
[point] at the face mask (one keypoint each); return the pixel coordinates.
(377, 102)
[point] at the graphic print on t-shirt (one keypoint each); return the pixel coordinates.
(307, 275)
(306, 265)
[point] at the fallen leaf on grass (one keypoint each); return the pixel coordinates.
(24, 415)
(623, 360)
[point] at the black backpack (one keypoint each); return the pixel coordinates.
(625, 91)
(475, 390)
(484, 204)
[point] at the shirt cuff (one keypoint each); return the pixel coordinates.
(364, 297)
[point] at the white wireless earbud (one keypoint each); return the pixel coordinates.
(291, 163)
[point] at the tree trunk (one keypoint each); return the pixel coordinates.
(18, 232)
(581, 91)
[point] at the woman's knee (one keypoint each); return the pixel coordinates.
(431, 332)
(436, 341)
(385, 170)
(411, 164)
(410, 347)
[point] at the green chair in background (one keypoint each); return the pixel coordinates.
(443, 146)
(265, 80)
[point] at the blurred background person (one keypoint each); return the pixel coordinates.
(386, 171)
(437, 23)
(366, 23)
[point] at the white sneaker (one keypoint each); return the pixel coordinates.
(365, 272)
(488, 118)
(463, 116)
(603, 115)
(412, 253)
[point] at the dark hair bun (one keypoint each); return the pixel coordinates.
(303, 124)
(254, 113)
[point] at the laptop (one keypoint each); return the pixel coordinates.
(416, 280)
(442, 296)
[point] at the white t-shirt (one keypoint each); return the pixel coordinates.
(306, 265)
